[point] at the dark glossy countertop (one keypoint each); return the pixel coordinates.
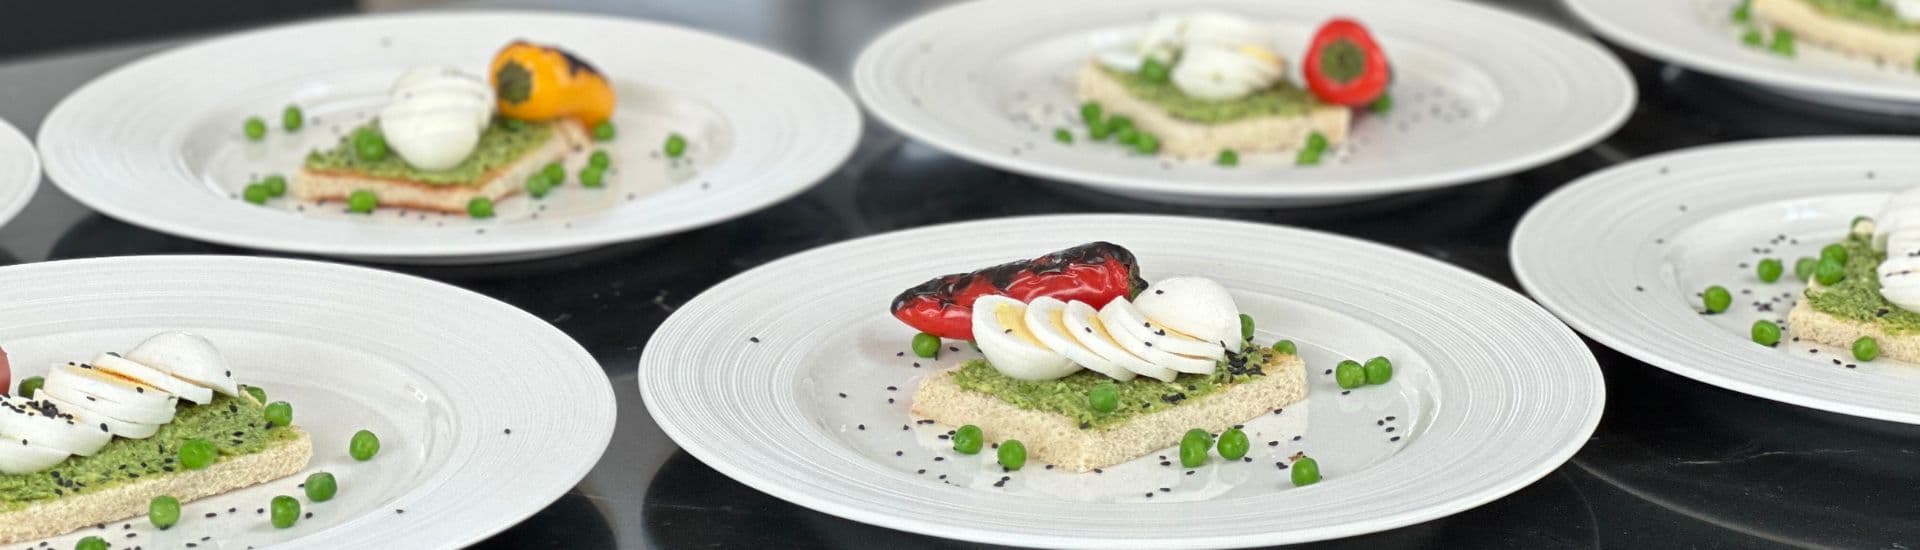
(1674, 463)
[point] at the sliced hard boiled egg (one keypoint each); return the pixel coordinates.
(43, 424)
(94, 417)
(127, 368)
(1900, 281)
(436, 116)
(1084, 323)
(1218, 72)
(144, 411)
(1000, 329)
(1141, 348)
(1194, 306)
(189, 357)
(1127, 316)
(25, 458)
(1046, 317)
(1124, 61)
(76, 379)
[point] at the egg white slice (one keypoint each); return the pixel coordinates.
(189, 357)
(127, 368)
(1000, 329)
(1127, 316)
(74, 379)
(1046, 318)
(92, 417)
(32, 425)
(1195, 306)
(1129, 342)
(1084, 323)
(131, 412)
(23, 458)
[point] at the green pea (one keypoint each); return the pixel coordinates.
(255, 193)
(276, 185)
(1127, 136)
(91, 543)
(1228, 157)
(363, 445)
(1716, 298)
(600, 159)
(292, 119)
(1378, 370)
(1836, 251)
(1193, 448)
(675, 146)
(926, 345)
(1349, 374)
(480, 208)
(1104, 398)
(1146, 144)
(1829, 272)
(163, 511)
(1099, 130)
(1866, 348)
(257, 393)
(1753, 38)
(1769, 270)
(1090, 111)
(1233, 444)
(1317, 142)
(1246, 327)
(321, 487)
(31, 386)
(1307, 157)
(1062, 135)
(554, 172)
(197, 453)
(1013, 454)
(1743, 11)
(1381, 105)
(1120, 122)
(1153, 70)
(603, 131)
(362, 202)
(968, 440)
(1286, 347)
(280, 413)
(286, 511)
(369, 145)
(1306, 471)
(538, 186)
(1782, 42)
(1766, 333)
(513, 124)
(255, 128)
(1803, 268)
(593, 177)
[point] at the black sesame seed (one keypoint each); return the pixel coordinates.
(755, 339)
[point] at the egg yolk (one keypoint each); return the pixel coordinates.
(1013, 318)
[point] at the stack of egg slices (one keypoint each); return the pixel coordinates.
(1177, 325)
(83, 406)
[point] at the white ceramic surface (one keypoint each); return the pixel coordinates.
(1621, 255)
(1701, 35)
(793, 379)
(1478, 93)
(146, 146)
(439, 373)
(19, 172)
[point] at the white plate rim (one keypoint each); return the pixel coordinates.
(768, 482)
(866, 86)
(600, 397)
(845, 136)
(16, 193)
(1562, 307)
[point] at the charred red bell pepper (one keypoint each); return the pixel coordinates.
(1344, 66)
(6, 373)
(1094, 273)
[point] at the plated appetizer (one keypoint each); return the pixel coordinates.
(1086, 365)
(1211, 85)
(1864, 291)
(1885, 31)
(138, 434)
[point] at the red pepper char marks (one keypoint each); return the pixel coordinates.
(1094, 273)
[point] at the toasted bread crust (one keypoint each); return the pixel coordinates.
(569, 138)
(1851, 37)
(74, 512)
(1055, 439)
(1192, 140)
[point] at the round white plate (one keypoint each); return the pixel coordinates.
(1701, 35)
(439, 373)
(794, 379)
(147, 146)
(1621, 254)
(1478, 93)
(19, 172)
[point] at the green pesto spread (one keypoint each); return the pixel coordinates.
(1138, 396)
(235, 426)
(1283, 99)
(500, 145)
(1879, 14)
(1857, 297)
